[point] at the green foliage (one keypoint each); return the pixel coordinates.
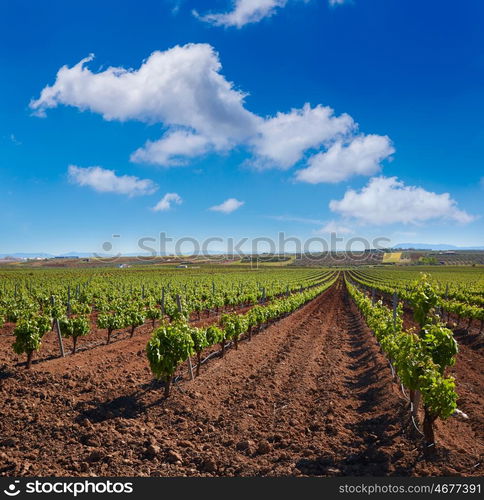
(75, 326)
(169, 345)
(111, 321)
(440, 344)
(125, 298)
(256, 316)
(199, 338)
(423, 299)
(44, 324)
(78, 308)
(153, 313)
(411, 360)
(57, 310)
(461, 292)
(134, 317)
(438, 393)
(420, 359)
(177, 315)
(28, 334)
(234, 325)
(214, 335)
(430, 261)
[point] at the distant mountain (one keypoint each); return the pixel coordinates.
(83, 255)
(42, 255)
(76, 254)
(432, 246)
(20, 255)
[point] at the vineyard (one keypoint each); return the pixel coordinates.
(223, 371)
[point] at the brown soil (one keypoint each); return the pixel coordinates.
(310, 395)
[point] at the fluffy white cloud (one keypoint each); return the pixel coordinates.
(181, 87)
(244, 12)
(228, 206)
(183, 90)
(106, 181)
(334, 227)
(362, 156)
(250, 11)
(174, 148)
(283, 139)
(386, 200)
(165, 203)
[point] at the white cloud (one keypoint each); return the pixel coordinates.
(228, 206)
(362, 156)
(334, 3)
(174, 148)
(165, 203)
(386, 200)
(250, 11)
(244, 12)
(181, 87)
(183, 90)
(106, 181)
(283, 139)
(334, 227)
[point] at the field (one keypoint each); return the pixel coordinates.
(307, 374)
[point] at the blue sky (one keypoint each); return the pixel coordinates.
(363, 118)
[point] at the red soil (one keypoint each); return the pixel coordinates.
(310, 395)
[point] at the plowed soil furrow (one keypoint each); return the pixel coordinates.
(309, 395)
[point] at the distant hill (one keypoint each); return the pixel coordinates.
(42, 255)
(82, 255)
(20, 255)
(433, 246)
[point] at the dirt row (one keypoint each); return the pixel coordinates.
(310, 395)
